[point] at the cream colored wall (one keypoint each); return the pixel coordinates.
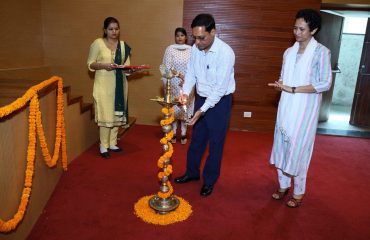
(147, 26)
(26, 73)
(81, 130)
(21, 34)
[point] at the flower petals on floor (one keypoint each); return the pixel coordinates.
(147, 214)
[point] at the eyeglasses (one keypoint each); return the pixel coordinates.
(200, 38)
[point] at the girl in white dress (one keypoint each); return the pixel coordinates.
(176, 57)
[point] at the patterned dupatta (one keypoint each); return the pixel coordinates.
(120, 106)
(295, 73)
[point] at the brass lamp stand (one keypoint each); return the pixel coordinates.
(159, 204)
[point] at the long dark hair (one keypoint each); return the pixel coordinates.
(108, 21)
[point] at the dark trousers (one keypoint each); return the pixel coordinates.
(209, 129)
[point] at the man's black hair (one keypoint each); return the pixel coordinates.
(204, 20)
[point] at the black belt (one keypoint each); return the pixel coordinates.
(206, 97)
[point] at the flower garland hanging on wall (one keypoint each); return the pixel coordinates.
(35, 122)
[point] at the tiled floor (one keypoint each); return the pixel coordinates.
(338, 124)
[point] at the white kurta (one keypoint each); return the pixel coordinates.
(177, 57)
(297, 115)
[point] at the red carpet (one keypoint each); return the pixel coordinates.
(95, 198)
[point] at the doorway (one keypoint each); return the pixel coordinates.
(352, 41)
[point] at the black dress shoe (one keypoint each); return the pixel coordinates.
(206, 190)
(115, 150)
(105, 155)
(185, 178)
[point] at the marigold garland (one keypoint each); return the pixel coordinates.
(168, 110)
(35, 122)
(142, 208)
(167, 121)
(167, 154)
(59, 134)
(167, 138)
(147, 214)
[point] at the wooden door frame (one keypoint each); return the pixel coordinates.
(359, 77)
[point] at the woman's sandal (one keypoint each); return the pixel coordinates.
(183, 139)
(277, 195)
(294, 202)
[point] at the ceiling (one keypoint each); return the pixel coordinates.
(349, 13)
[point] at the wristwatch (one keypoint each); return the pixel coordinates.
(293, 89)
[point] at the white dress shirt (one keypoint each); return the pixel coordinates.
(211, 72)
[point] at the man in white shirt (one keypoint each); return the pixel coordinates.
(211, 70)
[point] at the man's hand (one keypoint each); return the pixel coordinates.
(183, 99)
(195, 118)
(182, 79)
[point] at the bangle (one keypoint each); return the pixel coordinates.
(293, 89)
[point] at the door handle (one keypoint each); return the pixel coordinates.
(362, 68)
(336, 69)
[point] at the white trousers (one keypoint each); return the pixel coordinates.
(298, 181)
(183, 127)
(108, 136)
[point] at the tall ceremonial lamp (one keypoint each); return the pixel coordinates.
(164, 207)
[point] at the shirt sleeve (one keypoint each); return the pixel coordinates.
(93, 55)
(224, 75)
(324, 80)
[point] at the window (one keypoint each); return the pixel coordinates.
(354, 25)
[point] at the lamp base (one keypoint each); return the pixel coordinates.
(163, 205)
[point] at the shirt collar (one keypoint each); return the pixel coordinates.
(214, 45)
